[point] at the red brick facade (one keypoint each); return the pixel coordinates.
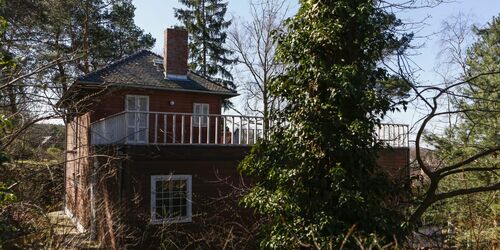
(159, 101)
(108, 188)
(395, 162)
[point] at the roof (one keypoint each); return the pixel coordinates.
(140, 70)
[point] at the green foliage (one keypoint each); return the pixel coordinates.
(98, 32)
(316, 172)
(205, 23)
(5, 58)
(7, 196)
(54, 151)
(473, 216)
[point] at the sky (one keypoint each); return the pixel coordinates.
(155, 15)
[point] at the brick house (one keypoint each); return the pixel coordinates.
(147, 143)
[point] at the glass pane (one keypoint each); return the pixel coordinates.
(131, 103)
(143, 104)
(142, 135)
(183, 211)
(176, 202)
(160, 202)
(131, 119)
(131, 134)
(165, 186)
(179, 185)
(161, 212)
(197, 109)
(205, 109)
(158, 186)
(142, 120)
(176, 212)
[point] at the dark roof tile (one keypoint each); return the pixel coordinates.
(139, 70)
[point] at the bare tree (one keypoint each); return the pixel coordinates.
(450, 101)
(253, 41)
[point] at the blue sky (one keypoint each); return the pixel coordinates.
(155, 15)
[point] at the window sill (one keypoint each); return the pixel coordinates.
(171, 221)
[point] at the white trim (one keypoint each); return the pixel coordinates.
(201, 115)
(75, 220)
(188, 217)
(174, 77)
(147, 118)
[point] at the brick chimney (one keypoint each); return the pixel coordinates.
(175, 53)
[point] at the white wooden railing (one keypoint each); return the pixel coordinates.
(177, 128)
(166, 128)
(393, 135)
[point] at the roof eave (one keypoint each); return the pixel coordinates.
(101, 84)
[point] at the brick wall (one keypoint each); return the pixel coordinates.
(395, 163)
(214, 174)
(77, 169)
(175, 51)
(114, 102)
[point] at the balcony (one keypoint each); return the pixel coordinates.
(165, 128)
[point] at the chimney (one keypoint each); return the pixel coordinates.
(175, 53)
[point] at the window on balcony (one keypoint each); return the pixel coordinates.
(137, 108)
(200, 114)
(170, 198)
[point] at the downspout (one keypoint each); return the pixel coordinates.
(65, 161)
(93, 233)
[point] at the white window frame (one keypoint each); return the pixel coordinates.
(184, 219)
(147, 120)
(198, 116)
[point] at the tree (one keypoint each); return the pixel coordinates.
(464, 163)
(72, 38)
(205, 23)
(255, 46)
(92, 32)
(6, 195)
(42, 51)
(475, 108)
(316, 174)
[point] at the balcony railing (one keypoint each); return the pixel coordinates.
(166, 128)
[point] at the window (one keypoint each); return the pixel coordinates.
(137, 108)
(170, 198)
(200, 111)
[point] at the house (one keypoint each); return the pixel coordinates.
(147, 143)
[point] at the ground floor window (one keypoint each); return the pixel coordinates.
(170, 198)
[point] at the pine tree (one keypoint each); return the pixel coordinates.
(473, 216)
(205, 23)
(100, 31)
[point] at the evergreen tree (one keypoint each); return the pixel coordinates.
(98, 31)
(205, 23)
(316, 174)
(473, 216)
